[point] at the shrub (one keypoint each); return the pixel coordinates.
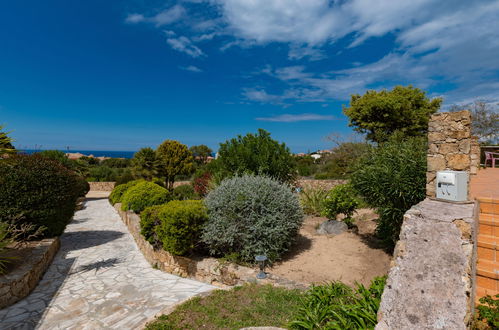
(341, 199)
(180, 225)
(392, 178)
(142, 195)
(312, 200)
(148, 221)
(256, 154)
(251, 215)
(5, 241)
(118, 191)
(183, 192)
(337, 306)
(201, 183)
(38, 191)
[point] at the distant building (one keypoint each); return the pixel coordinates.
(315, 156)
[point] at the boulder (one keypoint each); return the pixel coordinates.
(332, 227)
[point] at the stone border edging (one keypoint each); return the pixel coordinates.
(208, 270)
(19, 283)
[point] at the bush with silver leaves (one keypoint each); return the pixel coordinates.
(250, 215)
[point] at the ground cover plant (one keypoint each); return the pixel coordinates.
(142, 195)
(488, 312)
(391, 179)
(245, 306)
(250, 215)
(38, 191)
(337, 306)
(184, 192)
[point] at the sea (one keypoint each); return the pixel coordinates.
(96, 153)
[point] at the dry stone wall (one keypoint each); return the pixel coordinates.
(102, 186)
(208, 270)
(450, 146)
(17, 284)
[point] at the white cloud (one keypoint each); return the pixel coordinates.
(191, 68)
(164, 17)
(184, 45)
(288, 118)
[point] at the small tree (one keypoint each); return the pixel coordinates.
(380, 114)
(201, 153)
(257, 154)
(173, 158)
(144, 164)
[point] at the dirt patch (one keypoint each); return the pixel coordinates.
(354, 256)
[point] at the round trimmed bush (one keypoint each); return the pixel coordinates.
(250, 215)
(148, 221)
(118, 191)
(180, 225)
(341, 199)
(142, 195)
(38, 191)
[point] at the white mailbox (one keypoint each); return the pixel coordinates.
(452, 185)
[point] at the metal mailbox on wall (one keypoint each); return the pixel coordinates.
(452, 185)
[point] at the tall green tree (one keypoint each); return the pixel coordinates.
(173, 158)
(201, 153)
(257, 154)
(145, 164)
(380, 114)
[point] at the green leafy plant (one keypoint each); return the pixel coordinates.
(6, 146)
(341, 199)
(252, 215)
(380, 114)
(201, 153)
(256, 154)
(391, 178)
(39, 191)
(337, 306)
(488, 311)
(180, 225)
(173, 159)
(312, 200)
(145, 164)
(183, 192)
(142, 195)
(118, 191)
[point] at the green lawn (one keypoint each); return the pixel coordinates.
(245, 306)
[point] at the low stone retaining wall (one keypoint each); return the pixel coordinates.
(325, 184)
(208, 270)
(102, 186)
(17, 284)
(430, 284)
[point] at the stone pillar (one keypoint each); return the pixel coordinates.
(450, 146)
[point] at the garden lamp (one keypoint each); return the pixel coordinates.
(261, 262)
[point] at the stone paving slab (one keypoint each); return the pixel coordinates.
(98, 280)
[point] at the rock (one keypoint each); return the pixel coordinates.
(332, 227)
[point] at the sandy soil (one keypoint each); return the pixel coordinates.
(349, 257)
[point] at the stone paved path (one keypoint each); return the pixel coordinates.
(98, 280)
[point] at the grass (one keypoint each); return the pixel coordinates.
(245, 306)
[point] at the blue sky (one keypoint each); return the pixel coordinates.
(120, 75)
